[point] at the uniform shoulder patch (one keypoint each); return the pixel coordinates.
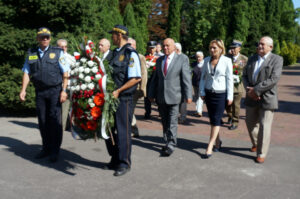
(62, 60)
(131, 62)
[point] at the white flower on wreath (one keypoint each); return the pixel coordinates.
(90, 117)
(77, 88)
(92, 105)
(76, 70)
(87, 79)
(83, 86)
(77, 64)
(74, 81)
(72, 72)
(81, 69)
(97, 76)
(73, 88)
(91, 86)
(95, 69)
(81, 76)
(87, 70)
(90, 100)
(83, 60)
(90, 63)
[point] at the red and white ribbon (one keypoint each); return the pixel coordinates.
(77, 55)
(102, 87)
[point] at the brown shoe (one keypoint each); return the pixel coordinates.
(260, 160)
(253, 149)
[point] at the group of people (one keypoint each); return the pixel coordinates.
(219, 80)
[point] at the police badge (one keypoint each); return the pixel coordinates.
(52, 55)
(121, 58)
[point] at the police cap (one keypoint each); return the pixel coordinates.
(120, 29)
(151, 44)
(236, 43)
(43, 31)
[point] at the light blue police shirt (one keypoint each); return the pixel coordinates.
(63, 65)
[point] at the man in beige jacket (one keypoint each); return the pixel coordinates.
(141, 89)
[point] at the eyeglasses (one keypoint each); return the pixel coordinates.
(44, 37)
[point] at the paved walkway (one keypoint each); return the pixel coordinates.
(231, 173)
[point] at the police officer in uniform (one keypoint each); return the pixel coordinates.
(126, 75)
(47, 68)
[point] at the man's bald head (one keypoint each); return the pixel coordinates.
(169, 46)
(104, 45)
(132, 42)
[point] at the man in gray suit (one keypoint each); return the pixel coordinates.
(260, 78)
(171, 78)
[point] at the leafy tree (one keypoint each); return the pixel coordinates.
(174, 19)
(109, 16)
(157, 20)
(240, 21)
(129, 21)
(141, 11)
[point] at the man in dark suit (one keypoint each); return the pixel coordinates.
(260, 78)
(239, 62)
(104, 46)
(171, 78)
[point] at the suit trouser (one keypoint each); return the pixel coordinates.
(169, 121)
(259, 123)
(48, 108)
(65, 114)
(134, 102)
(198, 100)
(233, 110)
(121, 151)
(147, 102)
(183, 110)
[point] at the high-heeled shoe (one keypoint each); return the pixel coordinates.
(206, 156)
(217, 149)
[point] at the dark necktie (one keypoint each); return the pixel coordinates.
(166, 66)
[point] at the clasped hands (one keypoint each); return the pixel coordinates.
(251, 93)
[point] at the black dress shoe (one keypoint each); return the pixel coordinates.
(229, 121)
(53, 158)
(121, 171)
(147, 116)
(135, 132)
(232, 127)
(166, 151)
(109, 166)
(42, 154)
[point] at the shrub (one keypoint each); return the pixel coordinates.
(10, 86)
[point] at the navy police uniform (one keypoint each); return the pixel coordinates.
(126, 65)
(45, 69)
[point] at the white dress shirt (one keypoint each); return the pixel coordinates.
(235, 57)
(170, 58)
(258, 64)
(105, 55)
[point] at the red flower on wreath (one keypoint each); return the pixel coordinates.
(91, 125)
(99, 99)
(83, 126)
(79, 112)
(96, 112)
